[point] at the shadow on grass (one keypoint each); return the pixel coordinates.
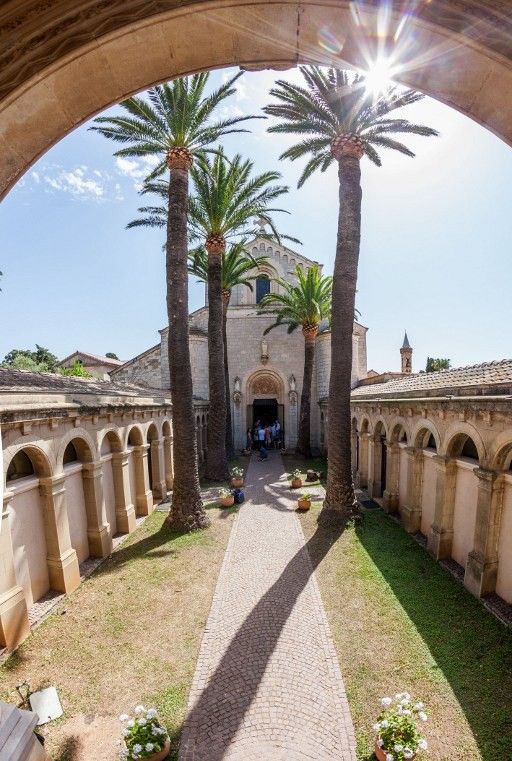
(69, 749)
(470, 647)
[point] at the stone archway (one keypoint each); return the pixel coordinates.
(459, 54)
(265, 396)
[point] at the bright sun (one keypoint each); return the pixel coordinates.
(378, 76)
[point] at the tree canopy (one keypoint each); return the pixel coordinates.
(434, 364)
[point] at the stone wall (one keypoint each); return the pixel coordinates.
(143, 370)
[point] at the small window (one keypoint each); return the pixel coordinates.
(20, 466)
(70, 454)
(262, 287)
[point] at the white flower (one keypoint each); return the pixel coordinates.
(408, 753)
(398, 696)
(380, 742)
(149, 747)
(423, 716)
(406, 712)
(376, 727)
(386, 702)
(404, 701)
(406, 696)
(390, 757)
(141, 722)
(423, 745)
(123, 754)
(125, 732)
(130, 723)
(137, 748)
(139, 709)
(151, 713)
(384, 724)
(124, 717)
(399, 710)
(398, 747)
(419, 706)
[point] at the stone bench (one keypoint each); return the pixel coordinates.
(17, 739)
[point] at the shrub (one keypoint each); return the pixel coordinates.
(143, 734)
(397, 727)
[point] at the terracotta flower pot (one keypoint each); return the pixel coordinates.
(163, 753)
(296, 483)
(380, 754)
(304, 504)
(227, 501)
(237, 482)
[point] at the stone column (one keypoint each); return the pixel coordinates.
(169, 477)
(159, 487)
(371, 463)
(482, 565)
(440, 537)
(353, 453)
(14, 625)
(411, 511)
(62, 559)
(125, 511)
(98, 528)
(364, 439)
(293, 411)
(390, 494)
(144, 498)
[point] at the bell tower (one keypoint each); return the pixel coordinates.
(406, 355)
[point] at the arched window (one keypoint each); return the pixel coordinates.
(262, 287)
(70, 454)
(20, 466)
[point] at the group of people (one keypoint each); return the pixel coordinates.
(264, 437)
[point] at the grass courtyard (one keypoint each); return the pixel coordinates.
(130, 634)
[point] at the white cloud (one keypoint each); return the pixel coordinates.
(79, 182)
(137, 169)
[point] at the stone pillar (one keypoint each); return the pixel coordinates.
(293, 412)
(353, 453)
(371, 464)
(98, 528)
(144, 498)
(169, 477)
(390, 494)
(440, 537)
(125, 511)
(159, 487)
(411, 511)
(14, 625)
(364, 439)
(482, 565)
(62, 559)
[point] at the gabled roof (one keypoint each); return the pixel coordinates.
(486, 378)
(281, 247)
(134, 359)
(26, 381)
(94, 357)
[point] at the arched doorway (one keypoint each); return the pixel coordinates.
(84, 38)
(265, 401)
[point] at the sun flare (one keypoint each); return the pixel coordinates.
(379, 75)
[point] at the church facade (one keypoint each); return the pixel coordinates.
(265, 372)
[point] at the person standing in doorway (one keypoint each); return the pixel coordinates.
(261, 436)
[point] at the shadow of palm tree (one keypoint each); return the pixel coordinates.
(470, 647)
(220, 710)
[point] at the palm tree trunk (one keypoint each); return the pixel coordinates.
(216, 460)
(187, 511)
(340, 502)
(230, 450)
(304, 440)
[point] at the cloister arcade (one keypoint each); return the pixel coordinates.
(72, 484)
(445, 469)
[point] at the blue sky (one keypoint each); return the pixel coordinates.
(435, 250)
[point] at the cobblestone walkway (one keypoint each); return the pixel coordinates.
(267, 685)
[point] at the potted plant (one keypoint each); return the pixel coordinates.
(398, 737)
(296, 478)
(304, 502)
(144, 737)
(226, 497)
(237, 477)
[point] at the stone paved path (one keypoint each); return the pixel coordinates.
(267, 685)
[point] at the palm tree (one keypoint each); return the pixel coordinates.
(238, 267)
(227, 197)
(176, 125)
(305, 304)
(334, 118)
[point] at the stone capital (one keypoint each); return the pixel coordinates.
(92, 469)
(488, 477)
(52, 484)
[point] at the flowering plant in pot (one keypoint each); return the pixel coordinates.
(226, 497)
(304, 502)
(237, 477)
(144, 737)
(296, 479)
(398, 737)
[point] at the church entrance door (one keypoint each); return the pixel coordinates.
(264, 410)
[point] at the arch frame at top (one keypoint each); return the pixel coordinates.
(452, 67)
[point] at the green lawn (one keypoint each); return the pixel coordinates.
(402, 623)
(130, 634)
